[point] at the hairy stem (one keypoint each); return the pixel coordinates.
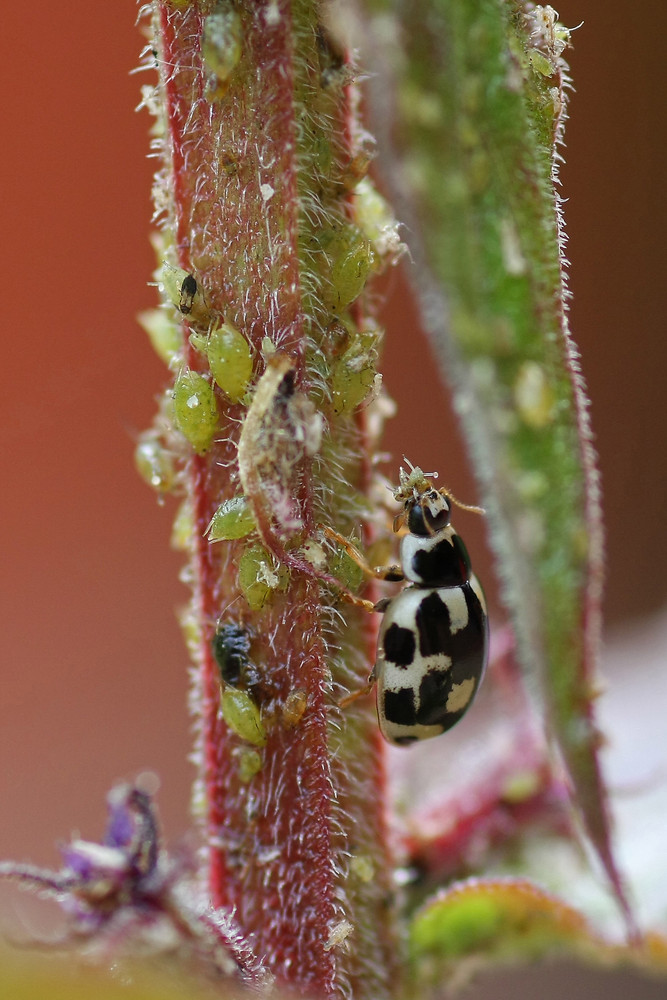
(257, 204)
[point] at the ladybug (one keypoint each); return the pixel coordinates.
(433, 642)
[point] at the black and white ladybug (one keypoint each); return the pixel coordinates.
(433, 642)
(434, 638)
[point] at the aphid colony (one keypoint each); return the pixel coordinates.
(433, 642)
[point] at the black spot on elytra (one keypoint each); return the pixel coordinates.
(433, 626)
(445, 564)
(399, 707)
(466, 649)
(433, 693)
(399, 645)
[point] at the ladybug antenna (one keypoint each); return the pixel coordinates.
(463, 506)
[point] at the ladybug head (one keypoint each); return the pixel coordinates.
(427, 513)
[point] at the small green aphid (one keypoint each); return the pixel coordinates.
(259, 577)
(182, 530)
(242, 715)
(376, 221)
(540, 63)
(154, 463)
(534, 396)
(230, 359)
(221, 48)
(195, 409)
(362, 868)
(350, 258)
(250, 764)
(354, 374)
(345, 569)
(164, 335)
(232, 519)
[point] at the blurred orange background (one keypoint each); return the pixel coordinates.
(94, 669)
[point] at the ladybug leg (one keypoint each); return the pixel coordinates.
(391, 573)
(357, 602)
(359, 693)
(362, 691)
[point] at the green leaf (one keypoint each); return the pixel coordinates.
(508, 921)
(479, 89)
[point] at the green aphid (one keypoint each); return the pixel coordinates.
(541, 64)
(232, 519)
(221, 48)
(347, 260)
(165, 336)
(353, 374)
(230, 358)
(259, 577)
(345, 569)
(182, 531)
(242, 715)
(250, 764)
(350, 271)
(154, 463)
(195, 410)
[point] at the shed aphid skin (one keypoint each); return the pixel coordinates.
(231, 647)
(433, 642)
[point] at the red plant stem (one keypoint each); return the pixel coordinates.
(281, 846)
